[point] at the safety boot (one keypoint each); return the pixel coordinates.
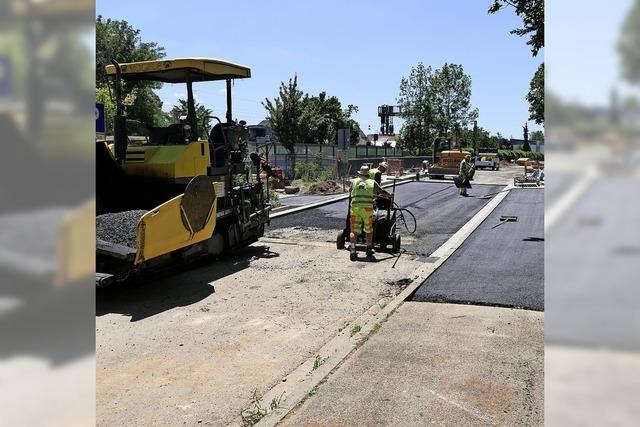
(369, 250)
(353, 255)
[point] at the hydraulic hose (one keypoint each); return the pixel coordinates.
(401, 218)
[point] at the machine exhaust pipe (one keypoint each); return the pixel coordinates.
(120, 137)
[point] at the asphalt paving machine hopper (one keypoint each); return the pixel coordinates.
(175, 193)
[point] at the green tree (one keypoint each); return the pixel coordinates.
(144, 105)
(532, 14)
(628, 45)
(103, 96)
(450, 89)
(117, 39)
(537, 135)
(535, 97)
(468, 137)
(525, 133)
(323, 115)
(497, 140)
(351, 124)
(202, 113)
(415, 102)
(433, 103)
(286, 114)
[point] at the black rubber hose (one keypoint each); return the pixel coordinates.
(400, 211)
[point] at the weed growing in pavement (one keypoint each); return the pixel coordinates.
(355, 329)
(311, 392)
(375, 328)
(274, 199)
(275, 403)
(318, 362)
(255, 413)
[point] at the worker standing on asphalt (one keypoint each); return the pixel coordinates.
(363, 191)
(376, 173)
(466, 173)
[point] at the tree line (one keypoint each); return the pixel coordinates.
(434, 102)
(300, 118)
(117, 39)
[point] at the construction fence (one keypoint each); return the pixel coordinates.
(325, 156)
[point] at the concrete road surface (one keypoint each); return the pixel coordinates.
(194, 346)
(438, 364)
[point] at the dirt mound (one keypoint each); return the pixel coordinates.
(324, 187)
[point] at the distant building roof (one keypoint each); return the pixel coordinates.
(382, 140)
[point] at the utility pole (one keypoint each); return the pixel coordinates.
(475, 137)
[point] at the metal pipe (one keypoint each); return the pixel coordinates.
(229, 114)
(120, 137)
(192, 118)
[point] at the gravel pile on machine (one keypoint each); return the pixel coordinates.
(119, 228)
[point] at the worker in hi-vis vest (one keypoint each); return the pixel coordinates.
(363, 191)
(376, 173)
(467, 170)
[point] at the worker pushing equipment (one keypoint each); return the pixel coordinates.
(363, 190)
(376, 173)
(467, 170)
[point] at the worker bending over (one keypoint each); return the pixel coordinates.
(363, 191)
(376, 173)
(467, 171)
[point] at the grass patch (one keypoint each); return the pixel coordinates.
(318, 361)
(274, 198)
(375, 328)
(257, 411)
(355, 329)
(311, 392)
(275, 402)
(312, 171)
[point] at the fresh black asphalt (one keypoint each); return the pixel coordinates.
(592, 258)
(502, 266)
(438, 208)
(558, 183)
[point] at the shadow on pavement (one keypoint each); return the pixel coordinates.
(45, 320)
(142, 300)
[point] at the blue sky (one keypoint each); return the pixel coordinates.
(356, 50)
(582, 64)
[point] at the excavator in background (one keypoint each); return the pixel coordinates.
(171, 196)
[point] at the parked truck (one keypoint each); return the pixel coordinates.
(487, 157)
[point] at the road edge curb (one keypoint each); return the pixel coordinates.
(332, 200)
(300, 384)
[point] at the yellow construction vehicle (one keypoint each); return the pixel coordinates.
(445, 160)
(174, 196)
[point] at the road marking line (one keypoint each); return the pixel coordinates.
(296, 242)
(471, 411)
(304, 378)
